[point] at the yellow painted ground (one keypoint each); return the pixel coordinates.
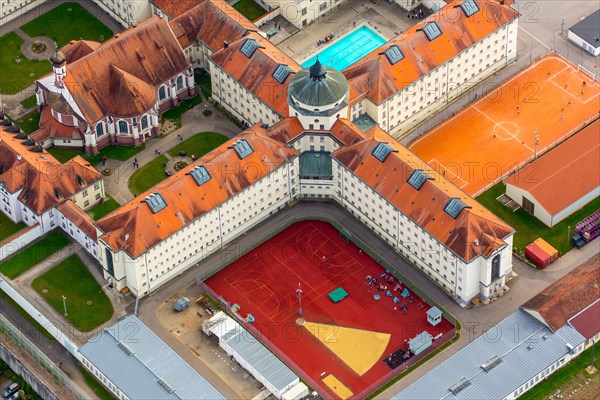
(338, 387)
(359, 349)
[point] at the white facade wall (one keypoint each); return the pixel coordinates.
(10, 204)
(301, 13)
(316, 141)
(126, 12)
(238, 100)
(78, 235)
(11, 10)
(542, 375)
(431, 92)
(517, 194)
(205, 235)
(100, 377)
(595, 51)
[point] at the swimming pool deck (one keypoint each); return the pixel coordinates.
(387, 20)
(345, 51)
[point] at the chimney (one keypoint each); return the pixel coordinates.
(225, 44)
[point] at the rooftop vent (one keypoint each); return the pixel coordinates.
(126, 349)
(491, 363)
(460, 386)
(80, 180)
(166, 386)
(57, 193)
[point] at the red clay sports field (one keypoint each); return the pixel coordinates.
(338, 348)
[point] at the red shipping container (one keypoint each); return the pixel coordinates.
(541, 252)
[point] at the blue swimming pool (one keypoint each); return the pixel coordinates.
(348, 49)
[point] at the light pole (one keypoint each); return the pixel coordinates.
(65, 305)
(562, 25)
(537, 141)
(299, 292)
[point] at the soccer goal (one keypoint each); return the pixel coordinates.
(591, 74)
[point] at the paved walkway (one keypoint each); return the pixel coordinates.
(474, 320)
(193, 122)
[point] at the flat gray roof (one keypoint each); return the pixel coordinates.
(589, 29)
(142, 366)
(525, 347)
(261, 359)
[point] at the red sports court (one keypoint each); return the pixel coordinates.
(345, 339)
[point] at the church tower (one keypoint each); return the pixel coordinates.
(318, 96)
(59, 66)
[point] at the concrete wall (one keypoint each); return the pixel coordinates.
(28, 376)
(17, 242)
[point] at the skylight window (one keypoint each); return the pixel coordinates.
(156, 202)
(243, 148)
(200, 175)
(455, 206)
(281, 73)
(418, 178)
(394, 54)
(382, 151)
(432, 30)
(491, 363)
(469, 7)
(249, 47)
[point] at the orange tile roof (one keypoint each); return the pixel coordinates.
(425, 206)
(54, 129)
(212, 22)
(134, 227)
(147, 53)
(44, 181)
(290, 128)
(79, 217)
(174, 8)
(256, 73)
(569, 295)
(77, 49)
(564, 174)
(379, 79)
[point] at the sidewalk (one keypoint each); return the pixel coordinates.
(193, 122)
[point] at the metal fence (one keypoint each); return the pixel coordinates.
(7, 328)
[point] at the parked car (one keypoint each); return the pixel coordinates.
(14, 396)
(11, 390)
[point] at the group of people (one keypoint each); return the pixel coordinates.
(418, 14)
(327, 39)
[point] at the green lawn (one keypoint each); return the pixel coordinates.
(26, 315)
(148, 175)
(115, 152)
(573, 370)
(64, 155)
(15, 76)
(199, 144)
(87, 305)
(250, 9)
(176, 113)
(7, 227)
(69, 21)
(103, 209)
(93, 384)
(34, 254)
(530, 228)
(202, 80)
(30, 122)
(29, 102)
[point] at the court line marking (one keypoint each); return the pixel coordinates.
(568, 92)
(520, 141)
(465, 183)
